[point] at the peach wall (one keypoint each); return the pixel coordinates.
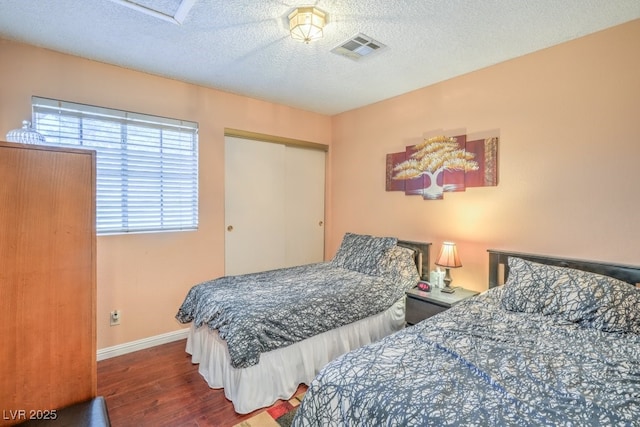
(146, 276)
(567, 118)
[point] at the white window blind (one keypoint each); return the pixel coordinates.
(147, 166)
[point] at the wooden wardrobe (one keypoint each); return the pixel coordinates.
(47, 279)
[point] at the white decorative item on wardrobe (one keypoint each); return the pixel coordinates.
(274, 204)
(47, 278)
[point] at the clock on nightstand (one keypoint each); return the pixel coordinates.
(421, 305)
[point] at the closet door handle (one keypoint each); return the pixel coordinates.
(321, 223)
(230, 228)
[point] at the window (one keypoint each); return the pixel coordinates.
(147, 166)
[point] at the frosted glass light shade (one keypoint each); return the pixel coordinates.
(306, 24)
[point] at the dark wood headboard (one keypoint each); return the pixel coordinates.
(422, 256)
(498, 263)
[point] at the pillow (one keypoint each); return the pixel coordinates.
(362, 253)
(590, 299)
(399, 265)
(617, 309)
(527, 286)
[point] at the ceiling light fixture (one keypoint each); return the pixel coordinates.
(306, 23)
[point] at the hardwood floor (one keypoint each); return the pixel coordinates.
(160, 386)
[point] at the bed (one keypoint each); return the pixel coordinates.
(558, 344)
(259, 336)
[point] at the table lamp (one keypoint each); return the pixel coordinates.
(448, 258)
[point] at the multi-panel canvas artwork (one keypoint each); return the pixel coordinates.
(443, 164)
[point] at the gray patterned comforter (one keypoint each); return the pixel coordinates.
(260, 312)
(478, 364)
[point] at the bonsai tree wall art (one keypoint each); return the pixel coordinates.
(441, 164)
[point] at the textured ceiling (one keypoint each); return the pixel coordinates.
(243, 46)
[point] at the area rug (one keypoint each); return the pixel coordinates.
(279, 415)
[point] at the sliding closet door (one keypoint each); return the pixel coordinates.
(254, 206)
(304, 187)
(274, 205)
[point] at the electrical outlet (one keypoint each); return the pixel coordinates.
(114, 318)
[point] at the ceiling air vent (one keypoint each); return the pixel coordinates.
(358, 47)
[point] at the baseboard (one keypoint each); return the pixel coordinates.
(130, 347)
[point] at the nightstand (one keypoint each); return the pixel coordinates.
(421, 304)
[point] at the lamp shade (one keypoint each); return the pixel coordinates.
(448, 256)
(306, 23)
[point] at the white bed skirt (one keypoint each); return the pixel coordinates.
(280, 371)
